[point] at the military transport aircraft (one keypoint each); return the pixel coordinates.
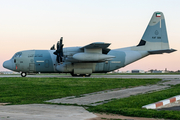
(93, 58)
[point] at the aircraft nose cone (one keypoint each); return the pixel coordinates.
(8, 65)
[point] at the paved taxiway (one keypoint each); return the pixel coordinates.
(43, 112)
(101, 76)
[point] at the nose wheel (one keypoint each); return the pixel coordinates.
(23, 74)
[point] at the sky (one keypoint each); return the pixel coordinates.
(38, 24)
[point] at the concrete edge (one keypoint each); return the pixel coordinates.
(162, 102)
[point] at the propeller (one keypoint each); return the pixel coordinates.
(59, 51)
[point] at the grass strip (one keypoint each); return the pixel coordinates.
(132, 106)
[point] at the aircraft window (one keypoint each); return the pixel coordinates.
(14, 60)
(19, 54)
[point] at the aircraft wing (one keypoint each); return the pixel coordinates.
(161, 51)
(96, 45)
(94, 52)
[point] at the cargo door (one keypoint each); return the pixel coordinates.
(31, 67)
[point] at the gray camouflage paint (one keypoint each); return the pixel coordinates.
(44, 61)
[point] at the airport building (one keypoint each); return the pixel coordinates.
(137, 71)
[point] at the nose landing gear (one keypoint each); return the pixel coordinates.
(23, 74)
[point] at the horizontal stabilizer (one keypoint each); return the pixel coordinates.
(162, 51)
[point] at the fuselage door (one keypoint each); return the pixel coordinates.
(17, 67)
(31, 67)
(106, 66)
(46, 63)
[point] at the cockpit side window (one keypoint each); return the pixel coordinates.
(19, 54)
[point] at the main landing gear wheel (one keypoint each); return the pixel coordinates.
(23, 74)
(80, 75)
(87, 75)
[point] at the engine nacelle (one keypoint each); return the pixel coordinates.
(92, 57)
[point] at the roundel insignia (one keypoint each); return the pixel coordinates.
(156, 32)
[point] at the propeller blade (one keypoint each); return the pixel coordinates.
(59, 51)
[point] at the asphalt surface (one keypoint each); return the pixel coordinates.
(43, 112)
(174, 108)
(101, 76)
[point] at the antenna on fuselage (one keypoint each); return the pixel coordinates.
(53, 47)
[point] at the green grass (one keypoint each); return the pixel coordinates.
(132, 106)
(37, 90)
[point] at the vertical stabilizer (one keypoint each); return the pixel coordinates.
(155, 36)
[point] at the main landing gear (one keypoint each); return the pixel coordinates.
(80, 75)
(23, 74)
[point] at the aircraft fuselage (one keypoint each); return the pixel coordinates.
(44, 61)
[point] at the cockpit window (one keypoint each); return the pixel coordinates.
(19, 54)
